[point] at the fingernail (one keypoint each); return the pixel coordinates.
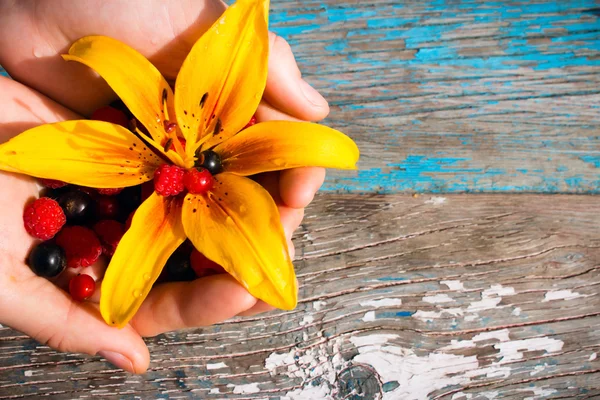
(312, 95)
(118, 360)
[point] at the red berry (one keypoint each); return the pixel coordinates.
(202, 266)
(110, 191)
(81, 287)
(112, 115)
(168, 180)
(43, 218)
(52, 183)
(110, 233)
(107, 207)
(198, 181)
(81, 245)
(251, 122)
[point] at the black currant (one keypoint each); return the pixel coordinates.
(210, 161)
(129, 199)
(179, 266)
(77, 205)
(47, 259)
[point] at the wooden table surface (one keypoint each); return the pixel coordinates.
(460, 262)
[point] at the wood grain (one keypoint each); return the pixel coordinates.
(462, 96)
(455, 297)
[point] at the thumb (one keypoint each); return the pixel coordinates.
(52, 318)
(286, 90)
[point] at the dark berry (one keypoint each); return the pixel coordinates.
(107, 207)
(179, 267)
(129, 199)
(210, 161)
(112, 115)
(47, 260)
(77, 205)
(81, 287)
(198, 181)
(202, 266)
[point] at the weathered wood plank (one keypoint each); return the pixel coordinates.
(460, 297)
(457, 96)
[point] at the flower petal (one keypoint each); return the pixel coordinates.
(223, 77)
(155, 233)
(276, 145)
(133, 78)
(237, 226)
(89, 153)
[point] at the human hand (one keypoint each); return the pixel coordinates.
(36, 306)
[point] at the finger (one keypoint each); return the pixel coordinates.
(290, 217)
(259, 308)
(39, 309)
(286, 90)
(203, 302)
(24, 108)
(297, 186)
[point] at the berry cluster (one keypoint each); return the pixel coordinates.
(78, 225)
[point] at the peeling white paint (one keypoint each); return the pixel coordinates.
(499, 335)
(593, 357)
(308, 319)
(369, 316)
(436, 201)
(461, 395)
(418, 376)
(538, 368)
(471, 317)
(319, 305)
(214, 391)
(453, 285)
(516, 312)
(560, 295)
(431, 315)
(245, 389)
(490, 298)
(489, 395)
(216, 366)
(309, 393)
(538, 392)
(438, 298)
(28, 373)
(387, 302)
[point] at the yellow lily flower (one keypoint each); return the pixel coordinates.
(218, 89)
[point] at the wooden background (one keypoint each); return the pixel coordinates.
(413, 287)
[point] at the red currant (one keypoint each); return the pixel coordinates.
(81, 287)
(198, 181)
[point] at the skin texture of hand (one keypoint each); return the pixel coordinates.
(51, 90)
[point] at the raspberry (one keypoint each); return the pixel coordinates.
(202, 266)
(81, 245)
(251, 122)
(43, 218)
(110, 191)
(112, 115)
(110, 233)
(168, 180)
(198, 181)
(52, 183)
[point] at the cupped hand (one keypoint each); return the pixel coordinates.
(51, 90)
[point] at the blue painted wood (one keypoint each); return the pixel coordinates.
(456, 96)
